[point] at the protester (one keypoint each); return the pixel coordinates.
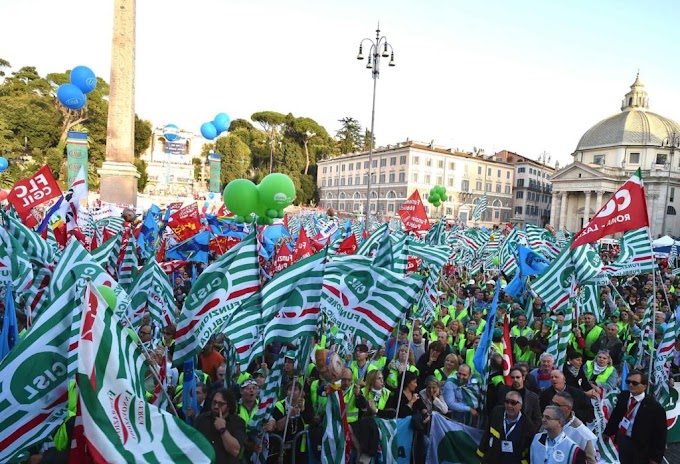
(225, 430)
(553, 446)
(509, 435)
(574, 428)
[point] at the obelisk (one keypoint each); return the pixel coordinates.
(118, 173)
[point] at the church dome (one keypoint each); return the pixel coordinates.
(635, 125)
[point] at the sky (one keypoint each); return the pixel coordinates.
(529, 76)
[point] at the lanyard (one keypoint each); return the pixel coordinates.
(548, 449)
(514, 424)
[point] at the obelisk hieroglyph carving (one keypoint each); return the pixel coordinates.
(118, 173)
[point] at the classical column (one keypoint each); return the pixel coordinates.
(598, 200)
(586, 209)
(118, 173)
(556, 197)
(563, 210)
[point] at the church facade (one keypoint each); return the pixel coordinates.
(609, 153)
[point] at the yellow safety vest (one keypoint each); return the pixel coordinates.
(604, 375)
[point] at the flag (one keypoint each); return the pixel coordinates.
(452, 442)
(636, 255)
(586, 261)
(673, 256)
(366, 301)
(389, 448)
(605, 450)
(217, 292)
(626, 210)
(189, 398)
(119, 424)
(186, 222)
(482, 352)
(10, 332)
(161, 302)
(662, 362)
(530, 262)
(507, 351)
(28, 415)
(554, 285)
(433, 255)
(106, 255)
(148, 234)
(480, 208)
(334, 441)
(283, 259)
(303, 248)
(412, 213)
(39, 252)
(28, 193)
(195, 248)
(268, 397)
(15, 264)
(70, 207)
(129, 261)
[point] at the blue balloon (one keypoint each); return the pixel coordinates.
(83, 78)
(71, 96)
(3, 164)
(206, 204)
(211, 195)
(208, 130)
(171, 132)
(221, 122)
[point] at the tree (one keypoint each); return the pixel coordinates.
(4, 64)
(271, 123)
(240, 124)
(349, 137)
(305, 130)
(235, 158)
(143, 133)
(368, 140)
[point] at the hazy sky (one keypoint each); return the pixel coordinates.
(527, 76)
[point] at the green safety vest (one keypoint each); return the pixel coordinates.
(591, 337)
(480, 328)
(604, 375)
(351, 410)
(318, 402)
(282, 409)
(516, 332)
(384, 396)
(245, 415)
(393, 376)
(439, 374)
(379, 363)
(355, 370)
(496, 380)
(61, 440)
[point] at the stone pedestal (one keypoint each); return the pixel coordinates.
(118, 182)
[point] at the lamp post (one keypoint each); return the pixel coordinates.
(672, 142)
(374, 55)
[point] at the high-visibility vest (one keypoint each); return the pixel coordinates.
(439, 374)
(591, 337)
(480, 328)
(355, 370)
(384, 396)
(61, 440)
(604, 375)
(318, 402)
(516, 332)
(394, 375)
(245, 415)
(351, 410)
(282, 410)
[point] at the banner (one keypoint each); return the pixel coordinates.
(452, 442)
(215, 168)
(29, 193)
(76, 155)
(185, 223)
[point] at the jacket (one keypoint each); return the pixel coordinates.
(490, 450)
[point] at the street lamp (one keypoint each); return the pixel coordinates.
(379, 48)
(672, 142)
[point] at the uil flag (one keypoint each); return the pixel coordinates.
(626, 210)
(119, 424)
(413, 214)
(507, 352)
(303, 248)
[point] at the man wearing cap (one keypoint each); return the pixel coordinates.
(477, 316)
(289, 372)
(360, 366)
(460, 313)
(467, 344)
(246, 409)
(521, 329)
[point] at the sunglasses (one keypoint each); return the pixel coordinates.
(634, 383)
(512, 402)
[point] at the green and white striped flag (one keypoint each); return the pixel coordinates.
(15, 265)
(400, 248)
(128, 268)
(388, 440)
(214, 297)
(479, 209)
(365, 301)
(139, 293)
(662, 362)
(372, 242)
(269, 395)
(106, 255)
(589, 300)
(636, 256)
(586, 261)
(119, 424)
(433, 255)
(333, 441)
(37, 249)
(555, 284)
(162, 306)
(45, 357)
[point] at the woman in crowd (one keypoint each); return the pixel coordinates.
(574, 373)
(456, 335)
(375, 393)
(601, 373)
(403, 361)
(449, 369)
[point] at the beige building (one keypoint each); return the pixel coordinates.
(609, 153)
(398, 170)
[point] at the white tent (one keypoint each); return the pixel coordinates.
(662, 246)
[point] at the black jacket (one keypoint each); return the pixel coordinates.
(649, 426)
(583, 408)
(531, 407)
(490, 445)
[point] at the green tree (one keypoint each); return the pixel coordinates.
(271, 123)
(349, 137)
(235, 158)
(4, 64)
(367, 140)
(305, 131)
(143, 133)
(240, 124)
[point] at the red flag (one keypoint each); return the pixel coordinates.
(303, 248)
(160, 254)
(185, 223)
(171, 266)
(283, 259)
(626, 210)
(29, 193)
(413, 215)
(507, 352)
(413, 263)
(220, 244)
(348, 246)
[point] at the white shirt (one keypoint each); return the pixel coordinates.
(638, 398)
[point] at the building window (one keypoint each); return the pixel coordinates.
(390, 208)
(427, 179)
(393, 161)
(358, 166)
(496, 214)
(499, 173)
(478, 185)
(428, 162)
(357, 180)
(507, 174)
(415, 177)
(440, 180)
(383, 162)
(670, 211)
(488, 172)
(488, 186)
(342, 207)
(375, 163)
(479, 170)
(391, 177)
(671, 197)
(373, 178)
(465, 186)
(499, 188)
(416, 160)
(518, 210)
(452, 165)
(350, 167)
(324, 170)
(323, 182)
(402, 159)
(521, 170)
(349, 181)
(519, 194)
(451, 180)
(382, 178)
(440, 164)
(402, 177)
(507, 189)
(365, 164)
(661, 158)
(342, 168)
(365, 179)
(342, 181)
(599, 159)
(520, 183)
(449, 211)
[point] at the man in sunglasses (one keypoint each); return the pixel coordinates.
(638, 424)
(509, 435)
(574, 428)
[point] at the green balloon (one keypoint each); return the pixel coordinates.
(276, 191)
(442, 197)
(108, 295)
(441, 190)
(495, 261)
(433, 190)
(430, 199)
(238, 219)
(272, 213)
(437, 204)
(240, 197)
(281, 214)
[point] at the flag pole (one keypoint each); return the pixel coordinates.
(652, 350)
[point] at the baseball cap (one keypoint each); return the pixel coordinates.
(290, 354)
(248, 382)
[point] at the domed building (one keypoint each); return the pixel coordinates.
(609, 153)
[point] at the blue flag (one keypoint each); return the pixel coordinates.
(624, 376)
(530, 262)
(192, 249)
(225, 227)
(148, 234)
(10, 331)
(482, 354)
(189, 398)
